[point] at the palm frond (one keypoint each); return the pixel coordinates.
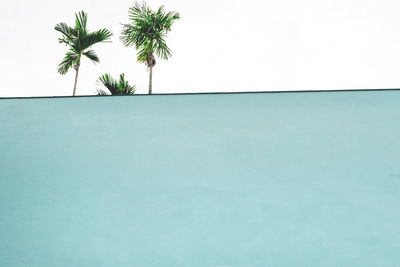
(139, 12)
(169, 18)
(101, 92)
(161, 11)
(81, 22)
(92, 38)
(129, 35)
(68, 33)
(92, 56)
(161, 48)
(143, 55)
(71, 58)
(110, 83)
(115, 87)
(124, 87)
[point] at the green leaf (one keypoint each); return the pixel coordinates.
(92, 56)
(81, 22)
(69, 60)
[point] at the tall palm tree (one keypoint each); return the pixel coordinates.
(147, 32)
(79, 40)
(115, 87)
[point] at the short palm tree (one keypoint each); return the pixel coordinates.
(115, 87)
(79, 40)
(147, 33)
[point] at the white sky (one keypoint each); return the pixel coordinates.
(217, 46)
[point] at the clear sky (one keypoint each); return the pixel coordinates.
(217, 46)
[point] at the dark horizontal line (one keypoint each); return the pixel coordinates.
(210, 93)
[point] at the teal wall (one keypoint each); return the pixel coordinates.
(268, 179)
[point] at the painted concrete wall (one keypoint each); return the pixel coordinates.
(270, 179)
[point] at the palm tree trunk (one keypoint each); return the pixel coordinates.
(150, 80)
(76, 80)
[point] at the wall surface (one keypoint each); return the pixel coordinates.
(268, 179)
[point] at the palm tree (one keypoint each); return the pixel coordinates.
(79, 40)
(115, 87)
(147, 32)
